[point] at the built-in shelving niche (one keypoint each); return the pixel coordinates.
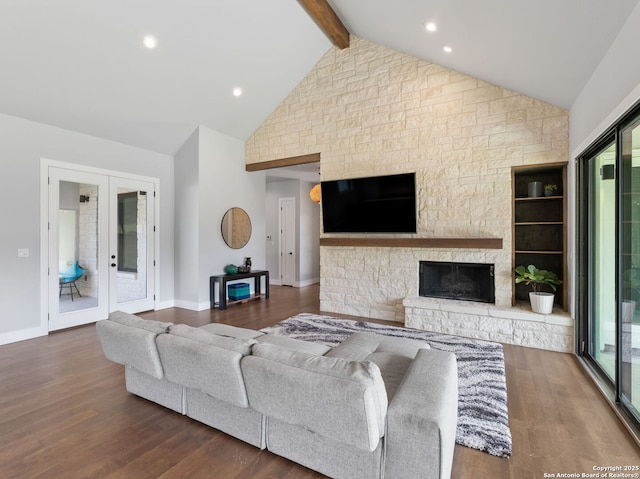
(539, 226)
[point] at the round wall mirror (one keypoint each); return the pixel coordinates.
(236, 228)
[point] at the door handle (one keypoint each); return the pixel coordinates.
(290, 252)
(113, 265)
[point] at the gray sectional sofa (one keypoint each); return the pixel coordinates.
(372, 407)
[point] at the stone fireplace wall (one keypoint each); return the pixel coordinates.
(369, 110)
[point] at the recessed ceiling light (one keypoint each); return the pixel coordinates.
(237, 91)
(447, 49)
(431, 27)
(150, 42)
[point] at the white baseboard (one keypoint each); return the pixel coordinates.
(22, 335)
(297, 284)
(191, 305)
(165, 305)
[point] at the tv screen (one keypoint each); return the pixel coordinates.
(377, 204)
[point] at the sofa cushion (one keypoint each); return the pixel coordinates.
(243, 346)
(130, 340)
(201, 360)
(360, 345)
(392, 355)
(231, 331)
(294, 344)
(337, 398)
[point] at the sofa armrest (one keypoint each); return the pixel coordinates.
(422, 418)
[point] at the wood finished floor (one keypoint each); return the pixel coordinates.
(64, 412)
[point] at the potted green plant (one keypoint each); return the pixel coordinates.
(541, 302)
(550, 190)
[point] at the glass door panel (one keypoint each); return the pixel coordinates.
(131, 265)
(77, 290)
(602, 252)
(630, 231)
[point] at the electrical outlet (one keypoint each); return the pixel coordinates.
(23, 252)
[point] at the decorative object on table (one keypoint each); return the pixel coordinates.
(231, 269)
(247, 265)
(550, 190)
(242, 269)
(315, 194)
(238, 291)
(482, 425)
(535, 189)
(541, 302)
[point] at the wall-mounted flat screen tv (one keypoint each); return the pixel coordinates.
(377, 204)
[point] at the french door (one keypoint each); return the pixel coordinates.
(609, 261)
(100, 246)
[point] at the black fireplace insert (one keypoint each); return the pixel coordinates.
(461, 281)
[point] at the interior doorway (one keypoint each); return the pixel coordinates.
(292, 178)
(101, 244)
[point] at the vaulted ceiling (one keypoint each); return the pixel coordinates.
(81, 64)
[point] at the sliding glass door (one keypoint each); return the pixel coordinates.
(608, 219)
(629, 336)
(602, 268)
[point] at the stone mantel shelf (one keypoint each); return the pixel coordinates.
(466, 243)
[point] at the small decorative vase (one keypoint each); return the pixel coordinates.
(231, 269)
(247, 264)
(535, 189)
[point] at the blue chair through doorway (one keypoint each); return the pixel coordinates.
(69, 276)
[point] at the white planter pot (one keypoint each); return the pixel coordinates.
(541, 302)
(628, 308)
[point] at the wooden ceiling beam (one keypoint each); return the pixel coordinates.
(322, 13)
(282, 162)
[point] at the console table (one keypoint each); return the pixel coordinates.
(222, 279)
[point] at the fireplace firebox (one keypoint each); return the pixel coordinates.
(461, 281)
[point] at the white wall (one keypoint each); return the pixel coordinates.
(226, 185)
(210, 179)
(187, 222)
(612, 89)
(309, 228)
(22, 144)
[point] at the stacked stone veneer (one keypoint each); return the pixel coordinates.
(493, 323)
(88, 240)
(369, 110)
